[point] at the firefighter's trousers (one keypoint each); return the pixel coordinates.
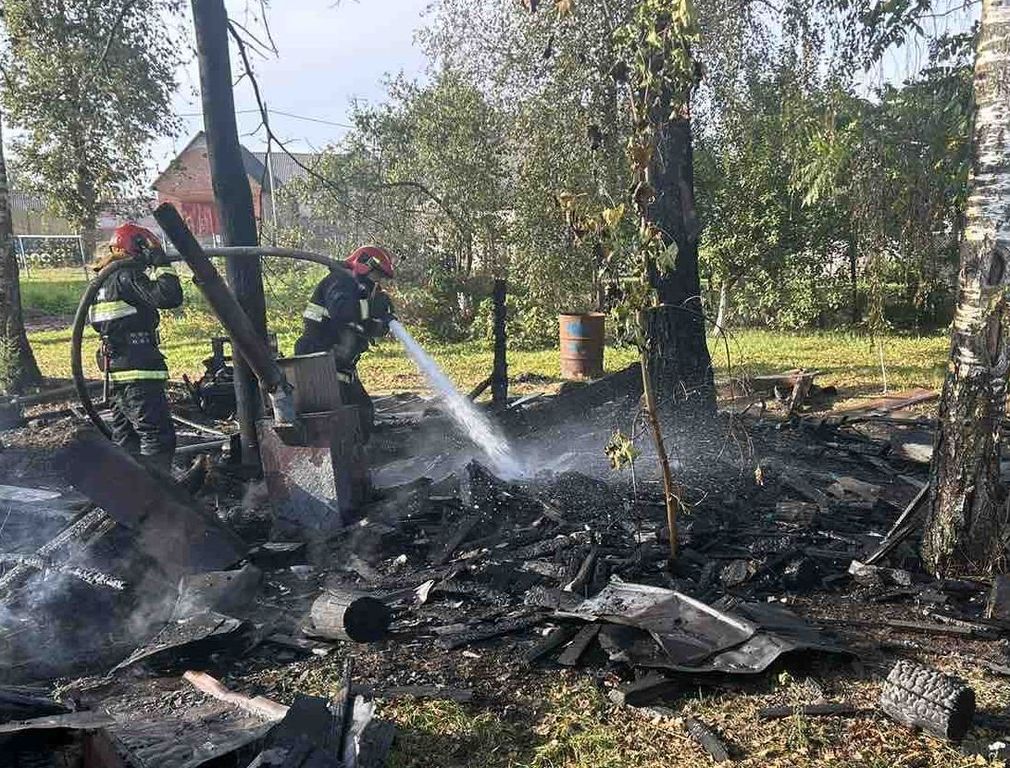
(142, 422)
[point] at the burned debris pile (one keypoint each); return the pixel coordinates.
(807, 560)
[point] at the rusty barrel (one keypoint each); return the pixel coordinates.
(582, 338)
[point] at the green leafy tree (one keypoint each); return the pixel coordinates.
(426, 174)
(89, 85)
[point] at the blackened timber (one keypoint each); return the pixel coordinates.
(707, 739)
(505, 627)
(553, 639)
(341, 614)
(73, 538)
(920, 697)
(500, 371)
(233, 196)
(644, 690)
(169, 527)
(245, 335)
(571, 655)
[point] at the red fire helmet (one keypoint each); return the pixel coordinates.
(370, 257)
(128, 239)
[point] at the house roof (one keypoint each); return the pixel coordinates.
(286, 167)
(254, 168)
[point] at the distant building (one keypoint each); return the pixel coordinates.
(186, 184)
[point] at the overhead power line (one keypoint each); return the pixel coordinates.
(277, 112)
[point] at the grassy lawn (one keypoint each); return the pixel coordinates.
(846, 360)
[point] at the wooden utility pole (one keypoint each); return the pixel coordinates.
(967, 521)
(234, 198)
(500, 372)
(17, 352)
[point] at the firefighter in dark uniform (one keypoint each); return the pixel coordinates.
(125, 314)
(348, 312)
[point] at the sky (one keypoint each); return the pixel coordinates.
(329, 55)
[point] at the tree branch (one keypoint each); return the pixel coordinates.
(112, 33)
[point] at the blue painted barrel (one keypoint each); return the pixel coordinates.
(582, 340)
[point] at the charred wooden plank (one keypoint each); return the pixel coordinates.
(506, 627)
(343, 614)
(553, 639)
(931, 629)
(920, 697)
(73, 539)
(458, 536)
(87, 575)
(998, 605)
(170, 528)
(644, 690)
(707, 739)
(18, 705)
(571, 655)
(583, 574)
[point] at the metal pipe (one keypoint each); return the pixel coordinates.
(245, 339)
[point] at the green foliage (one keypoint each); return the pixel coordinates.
(89, 87)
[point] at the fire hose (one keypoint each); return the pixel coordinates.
(81, 317)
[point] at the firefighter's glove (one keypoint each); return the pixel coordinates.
(376, 327)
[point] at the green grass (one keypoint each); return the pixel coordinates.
(52, 291)
(846, 360)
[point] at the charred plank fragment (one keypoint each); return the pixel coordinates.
(645, 690)
(571, 655)
(505, 627)
(707, 739)
(553, 639)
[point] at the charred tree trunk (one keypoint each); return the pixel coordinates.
(234, 199)
(25, 371)
(967, 520)
(679, 360)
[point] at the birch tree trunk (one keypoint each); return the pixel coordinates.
(967, 521)
(17, 353)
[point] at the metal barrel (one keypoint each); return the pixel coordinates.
(582, 341)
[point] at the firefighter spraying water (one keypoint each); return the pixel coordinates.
(349, 311)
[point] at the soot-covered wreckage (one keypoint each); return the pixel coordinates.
(138, 614)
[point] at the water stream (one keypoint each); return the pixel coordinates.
(474, 424)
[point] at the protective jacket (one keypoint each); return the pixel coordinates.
(345, 314)
(125, 314)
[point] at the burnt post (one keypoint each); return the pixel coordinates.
(500, 372)
(234, 199)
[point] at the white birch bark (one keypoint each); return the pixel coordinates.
(967, 519)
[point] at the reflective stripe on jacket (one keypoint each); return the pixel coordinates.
(126, 316)
(119, 377)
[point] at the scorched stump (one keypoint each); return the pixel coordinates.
(920, 697)
(348, 615)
